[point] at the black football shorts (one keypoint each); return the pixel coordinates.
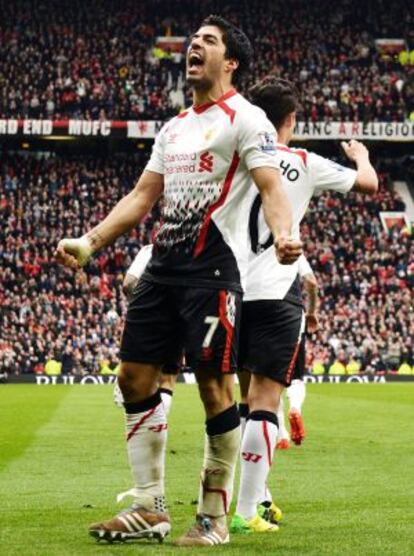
(272, 339)
(163, 321)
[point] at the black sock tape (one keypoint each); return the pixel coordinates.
(223, 422)
(262, 415)
(166, 391)
(145, 405)
(244, 410)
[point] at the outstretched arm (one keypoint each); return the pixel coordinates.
(311, 287)
(126, 214)
(366, 179)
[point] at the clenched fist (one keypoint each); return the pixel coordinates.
(288, 249)
(74, 252)
(312, 323)
(355, 150)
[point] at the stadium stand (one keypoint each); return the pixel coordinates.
(366, 280)
(366, 275)
(98, 60)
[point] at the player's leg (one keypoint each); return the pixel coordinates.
(144, 339)
(244, 382)
(243, 374)
(167, 384)
(296, 394)
(212, 352)
(168, 381)
(275, 329)
(146, 436)
(283, 435)
(257, 448)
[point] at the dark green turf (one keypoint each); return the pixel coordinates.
(348, 490)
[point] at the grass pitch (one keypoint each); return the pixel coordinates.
(348, 490)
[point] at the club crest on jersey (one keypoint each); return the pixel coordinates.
(206, 162)
(209, 134)
(268, 142)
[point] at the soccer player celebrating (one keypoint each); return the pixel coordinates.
(203, 162)
(273, 319)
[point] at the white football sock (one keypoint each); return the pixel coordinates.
(146, 442)
(166, 396)
(283, 432)
(257, 449)
(296, 394)
(220, 459)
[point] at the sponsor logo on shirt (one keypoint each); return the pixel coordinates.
(186, 163)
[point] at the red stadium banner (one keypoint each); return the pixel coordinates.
(171, 44)
(394, 219)
(148, 129)
(390, 47)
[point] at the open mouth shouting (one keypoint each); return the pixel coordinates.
(195, 61)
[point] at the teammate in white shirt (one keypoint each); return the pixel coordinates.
(296, 392)
(204, 163)
(273, 319)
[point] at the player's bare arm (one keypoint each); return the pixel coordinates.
(126, 214)
(367, 179)
(311, 286)
(129, 284)
(278, 213)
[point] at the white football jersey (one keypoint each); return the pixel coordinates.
(206, 154)
(140, 262)
(304, 174)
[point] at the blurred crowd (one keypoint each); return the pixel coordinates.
(98, 59)
(48, 312)
(51, 314)
(366, 284)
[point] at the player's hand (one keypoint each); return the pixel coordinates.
(288, 249)
(355, 150)
(74, 252)
(312, 323)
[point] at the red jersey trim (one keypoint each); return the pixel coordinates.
(302, 154)
(182, 114)
(229, 111)
(199, 109)
(220, 201)
(292, 363)
(226, 361)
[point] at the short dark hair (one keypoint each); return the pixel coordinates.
(238, 46)
(277, 97)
